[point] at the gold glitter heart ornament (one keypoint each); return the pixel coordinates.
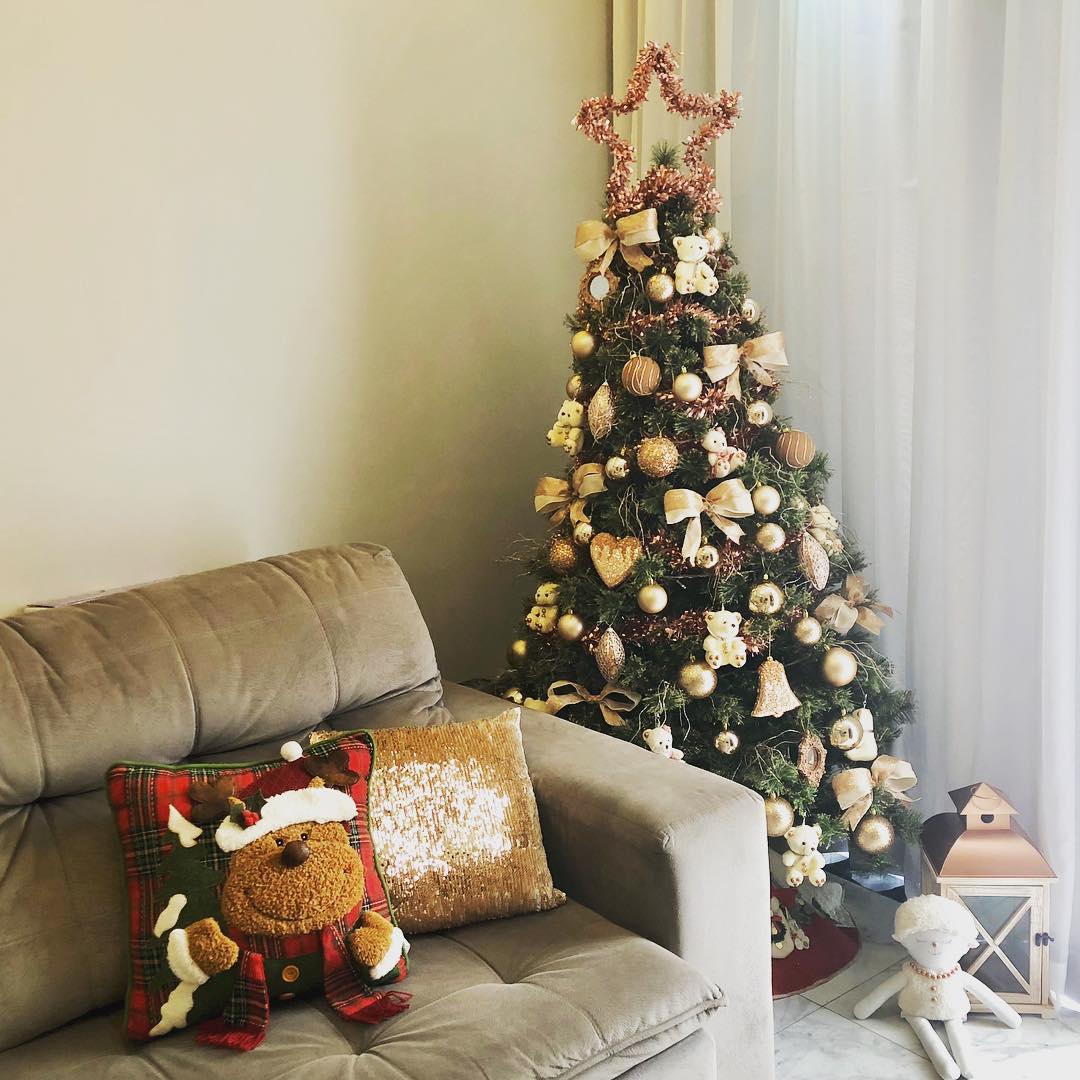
(614, 557)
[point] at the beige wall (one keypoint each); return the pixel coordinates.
(277, 274)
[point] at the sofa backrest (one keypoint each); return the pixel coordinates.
(195, 665)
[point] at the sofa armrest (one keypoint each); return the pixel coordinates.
(669, 851)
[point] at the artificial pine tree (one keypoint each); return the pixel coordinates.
(695, 593)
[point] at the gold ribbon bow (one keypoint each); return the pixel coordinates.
(612, 700)
(597, 240)
(854, 788)
(557, 498)
(727, 500)
(850, 606)
(761, 356)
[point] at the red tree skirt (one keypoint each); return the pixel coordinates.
(831, 948)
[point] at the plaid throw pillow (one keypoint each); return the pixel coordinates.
(253, 882)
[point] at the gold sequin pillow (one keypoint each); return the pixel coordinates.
(454, 822)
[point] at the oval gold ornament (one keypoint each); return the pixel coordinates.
(795, 449)
(610, 655)
(813, 561)
(641, 375)
(601, 412)
(614, 557)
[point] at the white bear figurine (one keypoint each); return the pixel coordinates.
(692, 274)
(568, 429)
(658, 740)
(548, 593)
(723, 646)
(866, 749)
(723, 459)
(542, 618)
(803, 858)
(825, 529)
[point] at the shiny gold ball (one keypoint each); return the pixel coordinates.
(569, 627)
(688, 386)
(727, 742)
(697, 679)
(759, 413)
(807, 630)
(715, 238)
(846, 733)
(514, 695)
(707, 557)
(616, 468)
(770, 536)
(766, 598)
(562, 555)
(517, 652)
(750, 310)
(574, 387)
(660, 288)
(779, 815)
(875, 834)
(839, 666)
(766, 499)
(652, 598)
(657, 456)
(582, 345)
(583, 533)
(640, 375)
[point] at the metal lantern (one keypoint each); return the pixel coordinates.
(980, 858)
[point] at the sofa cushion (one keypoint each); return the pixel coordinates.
(562, 993)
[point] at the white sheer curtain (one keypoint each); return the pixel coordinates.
(905, 190)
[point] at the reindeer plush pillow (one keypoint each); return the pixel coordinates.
(248, 883)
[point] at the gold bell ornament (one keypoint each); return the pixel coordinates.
(774, 695)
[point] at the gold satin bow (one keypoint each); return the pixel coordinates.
(761, 356)
(850, 606)
(597, 240)
(612, 700)
(727, 500)
(854, 788)
(557, 498)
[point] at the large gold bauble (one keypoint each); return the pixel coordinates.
(562, 555)
(847, 732)
(766, 499)
(583, 533)
(697, 679)
(779, 815)
(727, 742)
(715, 238)
(766, 598)
(795, 449)
(770, 536)
(839, 666)
(616, 468)
(657, 456)
(641, 375)
(574, 387)
(660, 288)
(609, 654)
(688, 386)
(875, 834)
(750, 310)
(707, 557)
(517, 652)
(759, 413)
(652, 598)
(514, 694)
(570, 627)
(582, 345)
(807, 630)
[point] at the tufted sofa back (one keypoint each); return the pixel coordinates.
(195, 666)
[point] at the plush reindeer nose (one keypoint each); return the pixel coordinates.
(295, 852)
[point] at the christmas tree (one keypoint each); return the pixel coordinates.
(695, 593)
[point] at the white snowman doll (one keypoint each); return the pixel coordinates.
(932, 986)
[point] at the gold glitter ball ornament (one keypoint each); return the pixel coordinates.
(727, 742)
(707, 557)
(660, 288)
(582, 345)
(574, 387)
(583, 533)
(779, 815)
(875, 834)
(514, 695)
(839, 666)
(770, 537)
(697, 679)
(715, 238)
(750, 310)
(688, 386)
(775, 696)
(610, 655)
(766, 598)
(813, 561)
(657, 456)
(641, 375)
(601, 412)
(807, 630)
(759, 413)
(795, 449)
(517, 652)
(766, 499)
(562, 555)
(569, 627)
(616, 468)
(652, 598)
(847, 732)
(811, 760)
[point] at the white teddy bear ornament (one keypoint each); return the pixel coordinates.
(723, 459)
(692, 273)
(723, 646)
(568, 429)
(803, 858)
(658, 740)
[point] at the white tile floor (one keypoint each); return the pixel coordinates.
(817, 1036)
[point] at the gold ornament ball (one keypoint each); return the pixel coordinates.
(847, 732)
(727, 742)
(562, 555)
(875, 834)
(517, 652)
(707, 557)
(582, 345)
(574, 387)
(697, 679)
(808, 630)
(688, 386)
(759, 413)
(715, 238)
(514, 695)
(750, 310)
(779, 815)
(657, 456)
(570, 627)
(616, 468)
(652, 598)
(583, 533)
(795, 449)
(660, 288)
(641, 375)
(770, 537)
(766, 499)
(766, 598)
(839, 666)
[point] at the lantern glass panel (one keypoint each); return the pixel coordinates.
(993, 912)
(998, 977)
(1017, 944)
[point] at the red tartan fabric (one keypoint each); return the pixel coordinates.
(140, 796)
(243, 1024)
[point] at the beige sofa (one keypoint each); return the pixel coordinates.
(658, 966)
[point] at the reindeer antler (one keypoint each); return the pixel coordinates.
(210, 800)
(332, 768)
